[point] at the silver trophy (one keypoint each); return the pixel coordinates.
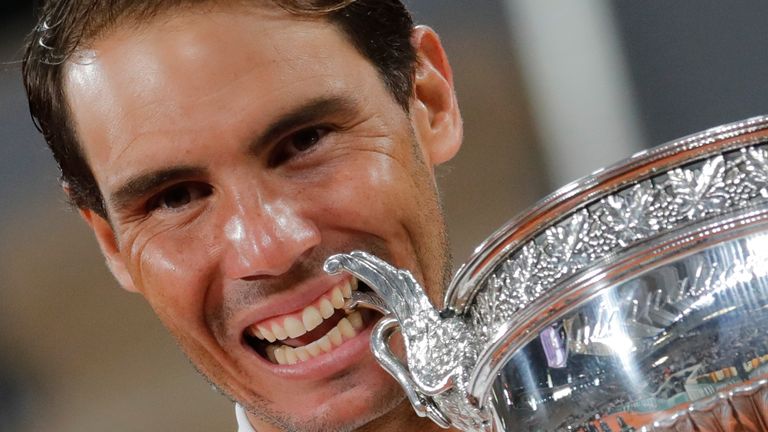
(635, 299)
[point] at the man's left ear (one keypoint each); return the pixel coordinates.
(434, 109)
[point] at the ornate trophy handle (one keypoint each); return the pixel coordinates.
(435, 378)
(378, 274)
(423, 405)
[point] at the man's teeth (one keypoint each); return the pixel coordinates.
(346, 329)
(299, 323)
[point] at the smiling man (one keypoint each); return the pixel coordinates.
(222, 150)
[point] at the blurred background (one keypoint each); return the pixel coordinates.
(549, 90)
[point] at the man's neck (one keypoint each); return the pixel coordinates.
(402, 418)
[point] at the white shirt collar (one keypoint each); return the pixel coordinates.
(243, 425)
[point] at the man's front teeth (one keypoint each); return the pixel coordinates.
(326, 308)
(346, 329)
(309, 318)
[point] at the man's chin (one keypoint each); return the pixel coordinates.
(376, 409)
(346, 411)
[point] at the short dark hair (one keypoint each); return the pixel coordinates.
(379, 29)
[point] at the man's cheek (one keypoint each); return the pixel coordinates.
(170, 280)
(364, 189)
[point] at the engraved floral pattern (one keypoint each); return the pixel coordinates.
(564, 246)
(629, 216)
(699, 192)
(492, 302)
(524, 272)
(668, 201)
(756, 169)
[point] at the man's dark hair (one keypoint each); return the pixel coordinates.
(379, 29)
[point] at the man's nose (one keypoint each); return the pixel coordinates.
(266, 239)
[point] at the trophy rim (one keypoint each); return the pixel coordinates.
(565, 201)
(609, 271)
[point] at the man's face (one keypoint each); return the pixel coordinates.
(236, 149)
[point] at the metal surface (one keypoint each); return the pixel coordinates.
(575, 195)
(649, 346)
(563, 318)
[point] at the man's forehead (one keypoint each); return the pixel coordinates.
(207, 22)
(197, 56)
(141, 83)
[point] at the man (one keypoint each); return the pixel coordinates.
(222, 150)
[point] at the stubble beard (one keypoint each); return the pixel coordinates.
(383, 405)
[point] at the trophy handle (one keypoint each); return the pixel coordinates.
(380, 336)
(437, 350)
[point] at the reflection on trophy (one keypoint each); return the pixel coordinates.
(635, 299)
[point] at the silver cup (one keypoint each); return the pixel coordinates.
(633, 299)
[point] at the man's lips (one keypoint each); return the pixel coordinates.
(316, 329)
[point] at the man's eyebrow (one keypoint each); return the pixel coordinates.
(313, 110)
(147, 182)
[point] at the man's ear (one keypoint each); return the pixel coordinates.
(105, 236)
(434, 109)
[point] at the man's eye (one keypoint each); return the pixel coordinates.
(298, 142)
(179, 196)
(305, 139)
